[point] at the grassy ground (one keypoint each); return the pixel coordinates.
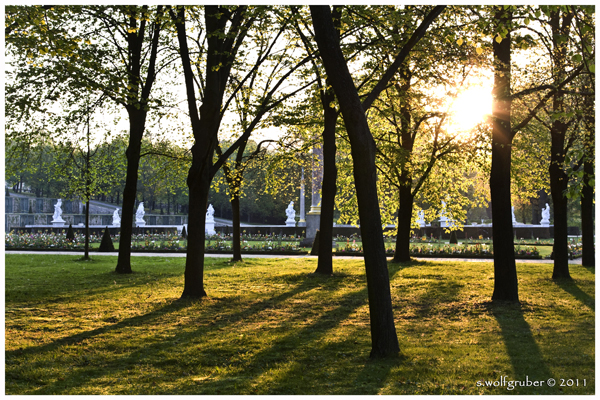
(271, 327)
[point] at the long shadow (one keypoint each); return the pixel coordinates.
(79, 337)
(313, 334)
(305, 285)
(263, 360)
(525, 355)
(571, 287)
(374, 373)
(145, 352)
(323, 324)
(62, 287)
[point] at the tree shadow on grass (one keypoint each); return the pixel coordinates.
(525, 355)
(591, 269)
(571, 287)
(307, 350)
(294, 354)
(85, 371)
(80, 337)
(405, 264)
(145, 353)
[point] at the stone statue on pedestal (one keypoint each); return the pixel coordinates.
(209, 224)
(210, 213)
(116, 218)
(139, 215)
(291, 215)
(545, 215)
(57, 217)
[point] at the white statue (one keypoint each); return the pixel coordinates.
(210, 214)
(57, 211)
(545, 215)
(444, 221)
(139, 215)
(512, 210)
(209, 224)
(291, 214)
(421, 218)
(116, 218)
(56, 218)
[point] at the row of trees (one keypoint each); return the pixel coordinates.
(382, 68)
(55, 169)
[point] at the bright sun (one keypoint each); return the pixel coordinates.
(470, 108)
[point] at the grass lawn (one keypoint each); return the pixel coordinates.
(271, 327)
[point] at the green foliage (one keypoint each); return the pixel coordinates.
(60, 57)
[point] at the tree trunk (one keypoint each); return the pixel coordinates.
(505, 270)
(86, 253)
(199, 185)
(328, 187)
(402, 253)
(136, 129)
(587, 216)
(559, 180)
(405, 190)
(205, 127)
(136, 108)
(587, 192)
(383, 332)
(237, 245)
(560, 250)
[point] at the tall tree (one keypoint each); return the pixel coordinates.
(110, 50)
(139, 80)
(413, 132)
(584, 23)
(257, 99)
(505, 269)
(88, 169)
(328, 184)
(503, 133)
(383, 332)
(225, 31)
(561, 21)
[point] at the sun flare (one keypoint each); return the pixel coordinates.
(470, 108)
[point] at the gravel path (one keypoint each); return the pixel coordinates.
(134, 254)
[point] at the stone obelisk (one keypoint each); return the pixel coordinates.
(302, 221)
(313, 218)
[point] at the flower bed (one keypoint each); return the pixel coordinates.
(270, 244)
(46, 241)
(158, 243)
(448, 251)
(574, 249)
